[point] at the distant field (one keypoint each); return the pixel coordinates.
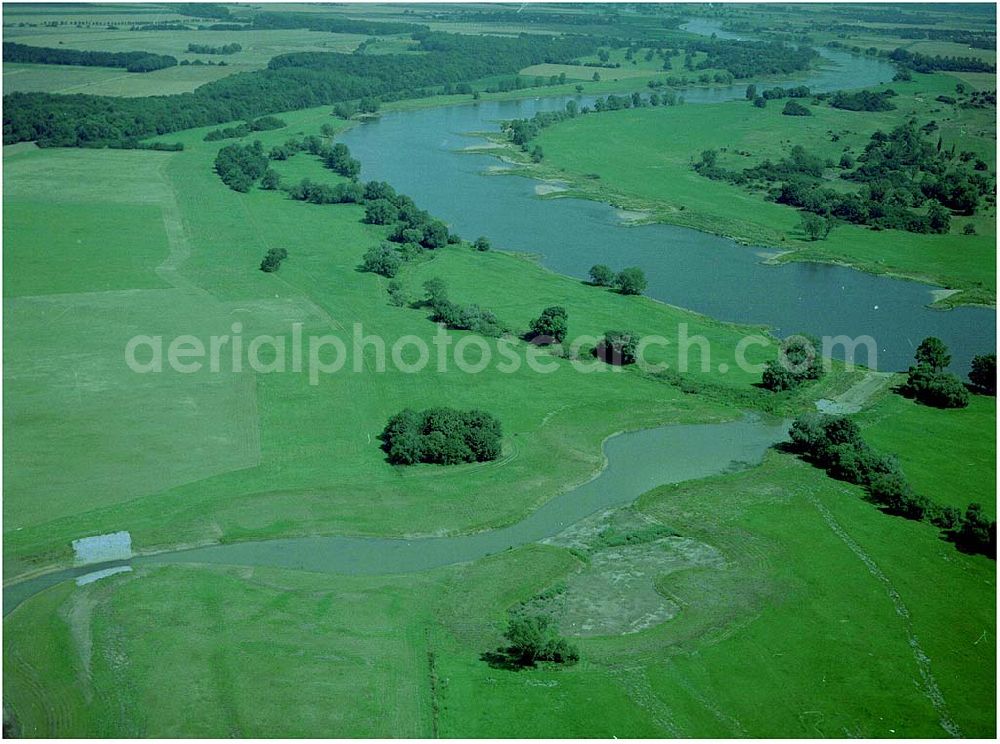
(642, 159)
(105, 81)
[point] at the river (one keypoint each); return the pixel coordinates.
(421, 154)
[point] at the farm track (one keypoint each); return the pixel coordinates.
(930, 687)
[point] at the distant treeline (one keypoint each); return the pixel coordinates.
(131, 61)
(920, 62)
(291, 82)
(263, 124)
(208, 49)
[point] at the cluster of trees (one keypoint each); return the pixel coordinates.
(338, 158)
(331, 24)
(983, 374)
(208, 49)
(444, 436)
(618, 348)
(272, 259)
(862, 100)
(928, 382)
(630, 281)
(383, 259)
(907, 183)
(460, 317)
(519, 83)
(347, 109)
(240, 166)
(262, 124)
(798, 362)
(131, 61)
(746, 59)
(321, 193)
(290, 82)
(836, 445)
(410, 225)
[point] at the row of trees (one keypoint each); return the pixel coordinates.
(444, 436)
(460, 317)
(131, 61)
(836, 445)
(209, 49)
(262, 124)
(630, 281)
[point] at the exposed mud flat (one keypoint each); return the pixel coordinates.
(615, 593)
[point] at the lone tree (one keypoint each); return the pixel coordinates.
(482, 244)
(816, 227)
(601, 275)
(550, 326)
(933, 353)
(617, 348)
(271, 180)
(984, 373)
(273, 259)
(631, 281)
(535, 638)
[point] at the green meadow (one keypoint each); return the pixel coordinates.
(642, 159)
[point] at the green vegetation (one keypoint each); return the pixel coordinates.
(443, 436)
(927, 381)
(131, 61)
(667, 618)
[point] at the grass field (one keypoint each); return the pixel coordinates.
(641, 159)
(192, 268)
(796, 633)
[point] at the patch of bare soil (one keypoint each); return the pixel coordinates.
(615, 592)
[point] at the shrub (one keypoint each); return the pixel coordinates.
(443, 436)
(794, 108)
(549, 327)
(272, 260)
(798, 361)
(482, 244)
(977, 533)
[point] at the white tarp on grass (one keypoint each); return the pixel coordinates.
(115, 546)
